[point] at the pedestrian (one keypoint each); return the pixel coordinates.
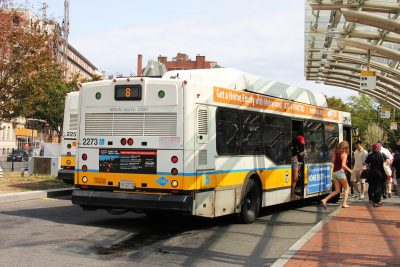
(339, 160)
(396, 169)
(360, 156)
(297, 159)
(376, 174)
(387, 189)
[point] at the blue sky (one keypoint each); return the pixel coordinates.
(260, 37)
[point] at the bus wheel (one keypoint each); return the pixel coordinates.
(250, 203)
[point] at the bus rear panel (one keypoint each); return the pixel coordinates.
(131, 146)
(69, 143)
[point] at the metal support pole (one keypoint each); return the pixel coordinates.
(368, 58)
(12, 160)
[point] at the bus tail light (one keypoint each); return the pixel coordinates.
(68, 154)
(69, 146)
(174, 171)
(68, 162)
(174, 159)
(84, 156)
(174, 183)
(130, 141)
(84, 168)
(84, 179)
(123, 141)
(84, 187)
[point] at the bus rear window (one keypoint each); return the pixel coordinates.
(128, 92)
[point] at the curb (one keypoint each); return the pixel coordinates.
(21, 196)
(307, 236)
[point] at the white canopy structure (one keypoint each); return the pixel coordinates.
(343, 37)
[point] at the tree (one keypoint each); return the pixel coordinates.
(363, 111)
(32, 83)
(373, 134)
(337, 104)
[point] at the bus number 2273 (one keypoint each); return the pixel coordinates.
(90, 141)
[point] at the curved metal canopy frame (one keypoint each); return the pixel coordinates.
(340, 36)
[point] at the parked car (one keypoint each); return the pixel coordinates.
(17, 155)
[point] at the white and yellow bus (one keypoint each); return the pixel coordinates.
(201, 142)
(69, 143)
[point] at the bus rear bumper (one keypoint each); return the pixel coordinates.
(66, 175)
(118, 200)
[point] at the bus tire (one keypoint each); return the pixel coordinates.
(250, 205)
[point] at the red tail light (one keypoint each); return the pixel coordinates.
(84, 168)
(84, 156)
(123, 141)
(130, 141)
(68, 154)
(174, 159)
(174, 171)
(69, 146)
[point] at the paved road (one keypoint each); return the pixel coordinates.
(52, 232)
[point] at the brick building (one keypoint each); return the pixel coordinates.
(183, 62)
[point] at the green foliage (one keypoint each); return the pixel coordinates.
(31, 82)
(337, 104)
(373, 134)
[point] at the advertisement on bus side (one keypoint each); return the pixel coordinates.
(319, 178)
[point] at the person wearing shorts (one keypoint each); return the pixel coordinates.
(339, 160)
(360, 155)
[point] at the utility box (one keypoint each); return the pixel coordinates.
(44, 165)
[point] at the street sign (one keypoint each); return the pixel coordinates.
(367, 80)
(393, 125)
(385, 114)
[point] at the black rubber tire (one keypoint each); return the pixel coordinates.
(251, 201)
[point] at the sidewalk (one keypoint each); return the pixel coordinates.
(358, 236)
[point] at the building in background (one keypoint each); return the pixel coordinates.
(20, 131)
(183, 62)
(180, 62)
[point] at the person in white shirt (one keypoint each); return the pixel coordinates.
(387, 190)
(359, 160)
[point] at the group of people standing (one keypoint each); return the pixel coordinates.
(376, 168)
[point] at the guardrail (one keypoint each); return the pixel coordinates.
(8, 166)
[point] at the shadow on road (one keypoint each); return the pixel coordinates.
(143, 235)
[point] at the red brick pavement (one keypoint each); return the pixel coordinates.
(358, 236)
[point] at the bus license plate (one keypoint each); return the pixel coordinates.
(124, 184)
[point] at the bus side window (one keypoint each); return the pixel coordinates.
(251, 133)
(314, 137)
(228, 132)
(276, 137)
(331, 139)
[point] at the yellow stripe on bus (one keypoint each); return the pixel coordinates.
(270, 179)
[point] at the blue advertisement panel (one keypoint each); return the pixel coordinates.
(319, 178)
